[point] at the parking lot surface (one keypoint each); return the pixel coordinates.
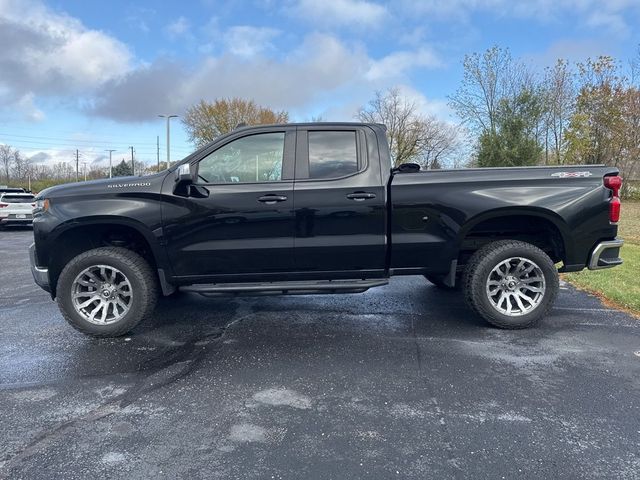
(399, 382)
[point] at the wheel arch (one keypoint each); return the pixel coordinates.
(82, 234)
(541, 227)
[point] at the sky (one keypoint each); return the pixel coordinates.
(92, 76)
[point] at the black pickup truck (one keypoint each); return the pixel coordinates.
(318, 208)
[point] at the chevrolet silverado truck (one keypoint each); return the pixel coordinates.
(319, 208)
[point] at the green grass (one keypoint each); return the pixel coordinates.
(619, 285)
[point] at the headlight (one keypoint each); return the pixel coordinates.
(42, 205)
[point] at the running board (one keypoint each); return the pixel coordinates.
(286, 288)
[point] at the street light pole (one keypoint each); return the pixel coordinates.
(110, 165)
(168, 117)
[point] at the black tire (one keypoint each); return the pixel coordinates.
(480, 266)
(438, 281)
(144, 286)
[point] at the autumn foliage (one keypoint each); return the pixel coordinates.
(207, 120)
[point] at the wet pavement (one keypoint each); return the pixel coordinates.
(399, 382)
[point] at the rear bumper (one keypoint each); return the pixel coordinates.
(15, 221)
(606, 254)
(40, 275)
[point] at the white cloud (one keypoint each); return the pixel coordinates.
(48, 53)
(426, 106)
(179, 27)
(613, 22)
(248, 41)
(341, 12)
(609, 14)
(398, 63)
(27, 107)
(571, 50)
(321, 67)
(322, 70)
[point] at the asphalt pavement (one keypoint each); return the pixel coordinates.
(400, 382)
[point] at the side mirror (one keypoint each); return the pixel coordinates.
(183, 180)
(406, 168)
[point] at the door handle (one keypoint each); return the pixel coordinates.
(271, 199)
(360, 196)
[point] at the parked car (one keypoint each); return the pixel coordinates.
(5, 189)
(318, 208)
(16, 209)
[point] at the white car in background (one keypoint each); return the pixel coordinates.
(16, 209)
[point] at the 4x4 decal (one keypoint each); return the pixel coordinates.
(571, 174)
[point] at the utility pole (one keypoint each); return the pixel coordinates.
(158, 151)
(133, 165)
(84, 169)
(168, 117)
(77, 169)
(110, 166)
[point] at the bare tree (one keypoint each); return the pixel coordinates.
(483, 85)
(628, 160)
(20, 167)
(441, 142)
(634, 69)
(412, 137)
(559, 101)
(488, 79)
(6, 161)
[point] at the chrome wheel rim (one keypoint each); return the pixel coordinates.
(101, 294)
(515, 286)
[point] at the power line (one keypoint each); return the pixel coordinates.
(69, 148)
(66, 139)
(40, 145)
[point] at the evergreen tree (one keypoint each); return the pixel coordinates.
(513, 143)
(122, 169)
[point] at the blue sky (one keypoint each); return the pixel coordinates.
(95, 75)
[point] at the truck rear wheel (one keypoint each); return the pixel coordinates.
(107, 291)
(511, 284)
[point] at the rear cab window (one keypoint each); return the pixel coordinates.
(332, 154)
(17, 198)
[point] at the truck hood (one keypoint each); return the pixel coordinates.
(108, 185)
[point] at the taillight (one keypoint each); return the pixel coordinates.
(2, 205)
(33, 205)
(614, 210)
(614, 184)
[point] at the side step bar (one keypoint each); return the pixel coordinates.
(286, 288)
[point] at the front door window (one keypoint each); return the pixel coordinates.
(252, 159)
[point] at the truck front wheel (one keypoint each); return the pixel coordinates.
(106, 292)
(511, 284)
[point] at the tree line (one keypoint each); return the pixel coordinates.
(508, 114)
(584, 113)
(20, 171)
